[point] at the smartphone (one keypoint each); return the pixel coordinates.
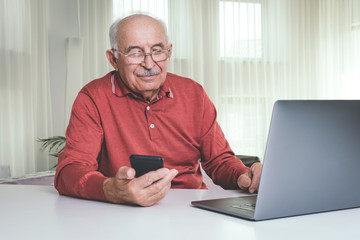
(145, 163)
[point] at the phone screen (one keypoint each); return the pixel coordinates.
(145, 163)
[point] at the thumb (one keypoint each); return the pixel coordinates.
(125, 173)
(244, 181)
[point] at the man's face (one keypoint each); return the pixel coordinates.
(142, 34)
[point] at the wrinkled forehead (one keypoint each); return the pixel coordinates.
(140, 31)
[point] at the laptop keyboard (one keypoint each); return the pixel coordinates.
(245, 206)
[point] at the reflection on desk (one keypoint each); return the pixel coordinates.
(38, 212)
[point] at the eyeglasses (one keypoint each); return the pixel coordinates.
(137, 56)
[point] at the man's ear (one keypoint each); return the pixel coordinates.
(170, 52)
(112, 59)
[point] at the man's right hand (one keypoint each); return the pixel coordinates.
(146, 190)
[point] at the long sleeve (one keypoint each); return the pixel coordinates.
(76, 173)
(218, 160)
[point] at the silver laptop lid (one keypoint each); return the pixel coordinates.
(312, 158)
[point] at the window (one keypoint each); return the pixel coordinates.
(350, 79)
(240, 29)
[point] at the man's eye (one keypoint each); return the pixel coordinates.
(135, 54)
(156, 51)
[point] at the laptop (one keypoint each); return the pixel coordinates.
(311, 162)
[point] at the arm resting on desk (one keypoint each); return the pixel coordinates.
(217, 159)
(76, 172)
(86, 184)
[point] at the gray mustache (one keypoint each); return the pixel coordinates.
(147, 73)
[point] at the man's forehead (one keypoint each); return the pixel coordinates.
(141, 30)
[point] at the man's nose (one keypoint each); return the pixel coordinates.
(148, 62)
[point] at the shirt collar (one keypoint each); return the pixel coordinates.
(117, 86)
(120, 89)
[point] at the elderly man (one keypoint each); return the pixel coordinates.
(140, 108)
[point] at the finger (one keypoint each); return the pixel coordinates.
(255, 180)
(244, 181)
(149, 178)
(163, 182)
(143, 193)
(125, 173)
(158, 190)
(157, 196)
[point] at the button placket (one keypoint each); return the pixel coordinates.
(151, 122)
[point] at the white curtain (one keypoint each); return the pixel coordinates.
(24, 85)
(95, 18)
(85, 55)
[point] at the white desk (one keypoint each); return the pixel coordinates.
(38, 212)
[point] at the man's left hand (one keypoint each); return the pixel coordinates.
(250, 180)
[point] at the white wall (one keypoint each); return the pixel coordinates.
(63, 16)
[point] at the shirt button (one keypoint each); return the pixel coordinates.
(152, 125)
(148, 108)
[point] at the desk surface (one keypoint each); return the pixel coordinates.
(38, 212)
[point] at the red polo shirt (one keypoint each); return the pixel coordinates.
(109, 123)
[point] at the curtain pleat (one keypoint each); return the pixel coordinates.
(74, 77)
(24, 85)
(95, 19)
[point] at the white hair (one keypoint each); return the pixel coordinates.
(113, 31)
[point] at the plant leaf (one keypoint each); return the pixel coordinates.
(55, 144)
